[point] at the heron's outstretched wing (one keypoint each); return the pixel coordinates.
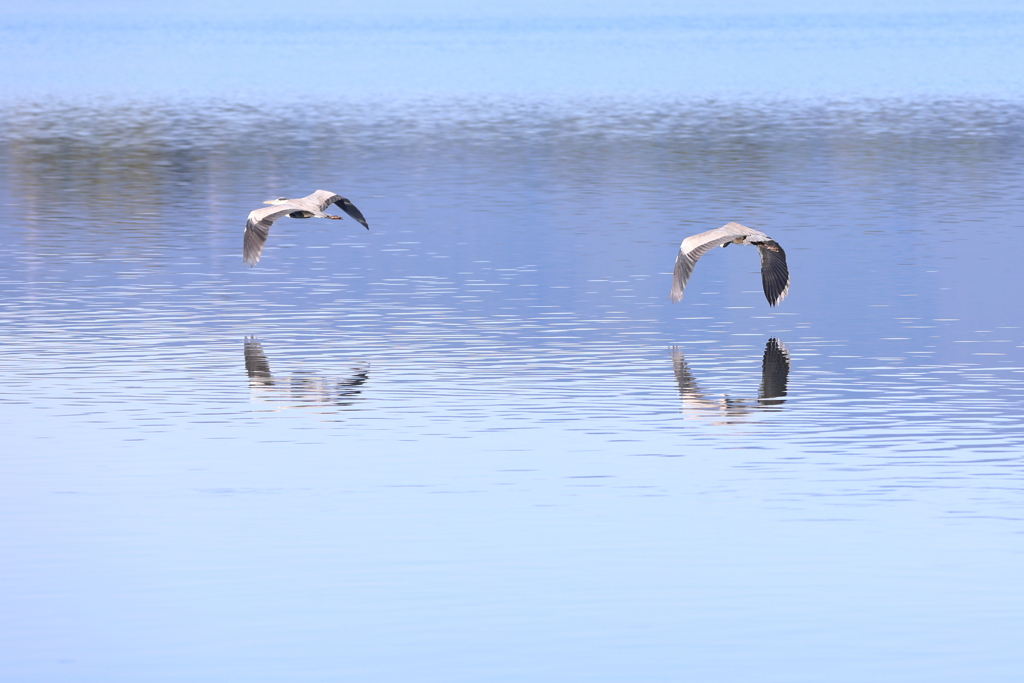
(323, 199)
(774, 271)
(257, 227)
(774, 373)
(695, 246)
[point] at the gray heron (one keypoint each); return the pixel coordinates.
(774, 272)
(257, 227)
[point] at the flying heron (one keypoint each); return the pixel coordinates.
(774, 272)
(311, 206)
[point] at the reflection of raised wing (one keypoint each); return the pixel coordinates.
(698, 403)
(256, 364)
(774, 374)
(300, 388)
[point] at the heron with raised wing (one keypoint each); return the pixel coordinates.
(257, 227)
(774, 272)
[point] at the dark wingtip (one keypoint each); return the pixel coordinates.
(350, 208)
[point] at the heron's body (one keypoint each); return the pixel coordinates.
(774, 271)
(257, 227)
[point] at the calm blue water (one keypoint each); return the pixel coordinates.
(476, 442)
(316, 49)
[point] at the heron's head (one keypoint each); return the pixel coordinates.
(279, 200)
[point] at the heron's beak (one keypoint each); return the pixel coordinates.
(269, 201)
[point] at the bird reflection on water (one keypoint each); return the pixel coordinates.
(770, 395)
(299, 389)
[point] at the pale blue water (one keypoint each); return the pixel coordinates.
(476, 442)
(312, 50)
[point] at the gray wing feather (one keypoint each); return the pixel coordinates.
(695, 246)
(774, 272)
(257, 227)
(322, 199)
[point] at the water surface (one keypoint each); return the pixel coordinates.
(476, 442)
